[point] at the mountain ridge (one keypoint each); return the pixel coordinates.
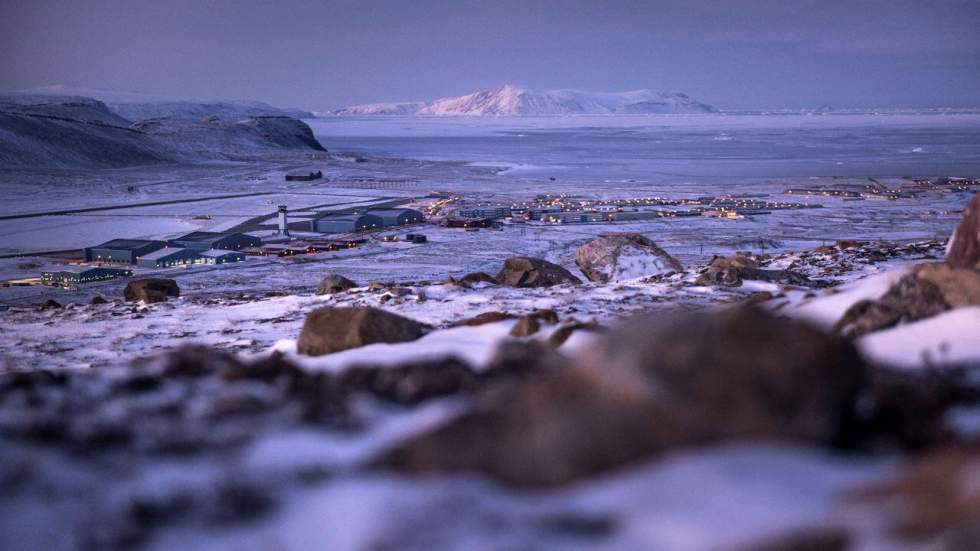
(514, 100)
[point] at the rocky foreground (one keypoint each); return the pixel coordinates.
(787, 415)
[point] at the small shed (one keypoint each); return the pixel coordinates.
(170, 257)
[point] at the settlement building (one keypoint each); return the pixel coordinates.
(469, 223)
(221, 256)
(485, 211)
(170, 257)
(73, 275)
(346, 223)
(204, 240)
(303, 176)
(398, 217)
(123, 251)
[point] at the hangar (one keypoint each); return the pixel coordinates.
(398, 217)
(124, 251)
(204, 240)
(346, 223)
(170, 257)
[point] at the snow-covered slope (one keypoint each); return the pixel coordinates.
(137, 107)
(510, 100)
(39, 131)
(216, 137)
(69, 131)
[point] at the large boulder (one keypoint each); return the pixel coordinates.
(964, 246)
(327, 330)
(333, 284)
(619, 256)
(926, 291)
(149, 290)
(525, 271)
(648, 387)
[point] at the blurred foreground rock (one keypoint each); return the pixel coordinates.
(964, 246)
(928, 290)
(650, 386)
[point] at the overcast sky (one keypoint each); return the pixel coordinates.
(327, 54)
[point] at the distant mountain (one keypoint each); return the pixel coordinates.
(38, 130)
(394, 108)
(137, 107)
(517, 101)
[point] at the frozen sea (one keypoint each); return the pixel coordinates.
(704, 148)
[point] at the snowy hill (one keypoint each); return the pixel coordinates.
(38, 130)
(218, 138)
(516, 101)
(137, 107)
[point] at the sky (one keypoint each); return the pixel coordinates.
(321, 55)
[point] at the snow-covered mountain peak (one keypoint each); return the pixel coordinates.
(517, 100)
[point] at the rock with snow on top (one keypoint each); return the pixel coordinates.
(620, 256)
(333, 284)
(525, 271)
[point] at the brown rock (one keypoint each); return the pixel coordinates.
(327, 330)
(50, 304)
(469, 280)
(599, 259)
(545, 316)
(523, 271)
(756, 298)
(151, 290)
(964, 247)
(742, 372)
(935, 498)
(740, 259)
(333, 284)
(485, 317)
(561, 334)
(823, 538)
(847, 244)
(97, 299)
(959, 286)
(525, 327)
(648, 387)
(930, 289)
(733, 275)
